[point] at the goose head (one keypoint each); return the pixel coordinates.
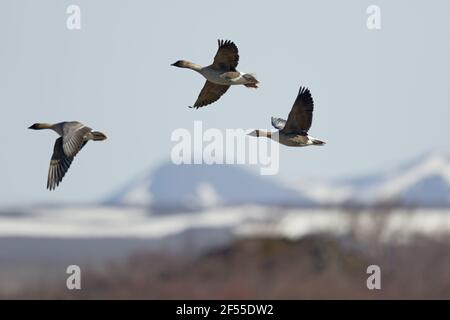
(39, 126)
(255, 133)
(181, 64)
(251, 80)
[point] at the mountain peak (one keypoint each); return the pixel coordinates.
(423, 182)
(201, 186)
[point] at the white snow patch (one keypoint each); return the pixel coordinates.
(208, 197)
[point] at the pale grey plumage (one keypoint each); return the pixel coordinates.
(220, 75)
(73, 137)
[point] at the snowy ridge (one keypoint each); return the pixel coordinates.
(424, 182)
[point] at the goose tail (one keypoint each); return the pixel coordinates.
(318, 142)
(98, 136)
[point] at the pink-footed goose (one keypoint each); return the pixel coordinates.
(220, 75)
(73, 137)
(294, 131)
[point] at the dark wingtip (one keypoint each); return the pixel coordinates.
(222, 42)
(304, 90)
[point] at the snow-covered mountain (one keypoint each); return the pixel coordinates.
(201, 186)
(423, 182)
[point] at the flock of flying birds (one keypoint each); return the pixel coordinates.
(220, 75)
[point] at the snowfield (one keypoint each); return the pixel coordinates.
(245, 220)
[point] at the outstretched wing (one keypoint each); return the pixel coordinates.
(73, 137)
(300, 117)
(59, 164)
(227, 56)
(210, 93)
(278, 123)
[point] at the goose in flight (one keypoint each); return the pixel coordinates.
(73, 137)
(294, 131)
(220, 75)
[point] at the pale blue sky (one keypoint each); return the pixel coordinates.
(381, 97)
